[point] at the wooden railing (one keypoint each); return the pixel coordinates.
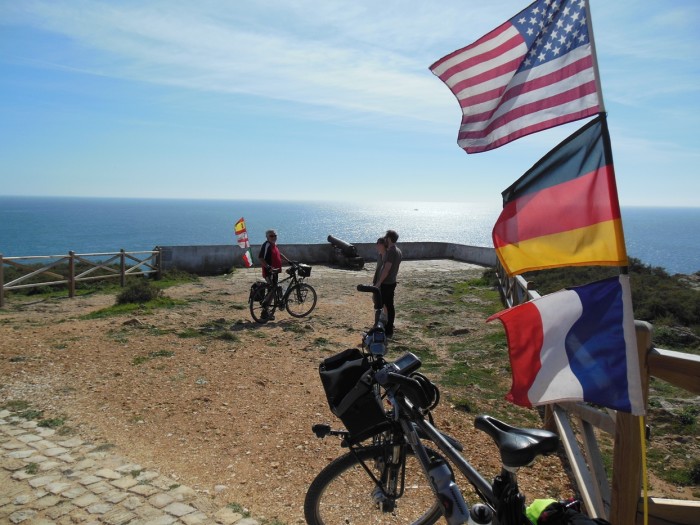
(98, 266)
(619, 501)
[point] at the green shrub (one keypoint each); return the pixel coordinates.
(53, 422)
(688, 416)
(490, 277)
(139, 291)
(175, 277)
(694, 472)
(240, 509)
(139, 360)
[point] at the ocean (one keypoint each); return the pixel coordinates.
(666, 237)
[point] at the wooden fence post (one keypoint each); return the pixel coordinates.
(159, 263)
(122, 268)
(548, 421)
(2, 282)
(71, 274)
(627, 454)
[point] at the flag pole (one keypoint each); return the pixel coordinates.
(624, 270)
(598, 85)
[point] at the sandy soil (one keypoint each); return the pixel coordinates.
(228, 409)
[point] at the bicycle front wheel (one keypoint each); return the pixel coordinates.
(301, 300)
(344, 494)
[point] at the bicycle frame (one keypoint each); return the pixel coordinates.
(415, 430)
(409, 423)
(272, 295)
(435, 436)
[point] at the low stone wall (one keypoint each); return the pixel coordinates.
(220, 259)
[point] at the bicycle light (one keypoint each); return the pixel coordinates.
(376, 343)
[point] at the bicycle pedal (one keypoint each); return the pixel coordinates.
(321, 430)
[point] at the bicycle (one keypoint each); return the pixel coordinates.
(299, 298)
(406, 473)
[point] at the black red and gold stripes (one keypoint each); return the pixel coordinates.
(564, 211)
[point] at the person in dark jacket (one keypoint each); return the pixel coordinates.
(387, 279)
(270, 259)
(381, 253)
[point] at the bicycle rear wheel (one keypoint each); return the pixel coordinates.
(343, 494)
(301, 300)
(255, 303)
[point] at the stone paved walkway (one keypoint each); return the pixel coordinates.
(49, 479)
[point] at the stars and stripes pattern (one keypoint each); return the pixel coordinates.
(534, 72)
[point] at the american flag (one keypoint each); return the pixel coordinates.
(534, 72)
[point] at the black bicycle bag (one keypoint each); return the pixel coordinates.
(257, 291)
(347, 379)
(304, 270)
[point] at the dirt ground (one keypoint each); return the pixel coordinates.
(203, 394)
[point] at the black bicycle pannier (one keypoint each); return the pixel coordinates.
(304, 270)
(257, 291)
(347, 380)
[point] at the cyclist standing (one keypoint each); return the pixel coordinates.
(270, 259)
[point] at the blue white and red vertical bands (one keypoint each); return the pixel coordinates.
(577, 344)
(533, 72)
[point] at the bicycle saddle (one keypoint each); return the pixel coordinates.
(518, 446)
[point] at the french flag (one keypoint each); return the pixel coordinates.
(577, 344)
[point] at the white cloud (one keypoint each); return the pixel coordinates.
(223, 48)
(344, 60)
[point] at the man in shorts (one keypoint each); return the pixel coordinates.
(387, 278)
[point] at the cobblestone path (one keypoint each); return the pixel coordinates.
(49, 479)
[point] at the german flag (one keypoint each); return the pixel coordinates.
(564, 211)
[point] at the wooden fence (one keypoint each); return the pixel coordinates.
(98, 266)
(620, 501)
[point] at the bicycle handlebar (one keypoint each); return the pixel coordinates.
(397, 374)
(377, 295)
(410, 388)
(293, 267)
(368, 288)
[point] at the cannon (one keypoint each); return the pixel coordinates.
(347, 249)
(345, 254)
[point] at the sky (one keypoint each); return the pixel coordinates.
(313, 100)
